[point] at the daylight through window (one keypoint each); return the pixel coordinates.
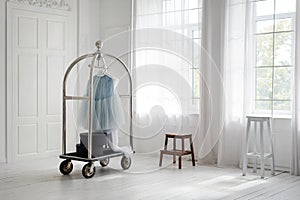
(274, 50)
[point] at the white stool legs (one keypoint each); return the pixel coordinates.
(246, 147)
(271, 148)
(255, 147)
(258, 155)
(262, 150)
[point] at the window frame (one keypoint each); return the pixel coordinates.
(273, 17)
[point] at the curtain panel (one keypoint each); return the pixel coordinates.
(167, 35)
(236, 73)
(226, 66)
(295, 162)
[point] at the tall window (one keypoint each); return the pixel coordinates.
(274, 46)
(184, 18)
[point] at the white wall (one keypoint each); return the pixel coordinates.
(115, 17)
(2, 81)
(115, 26)
(88, 31)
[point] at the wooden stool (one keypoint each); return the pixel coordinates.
(175, 152)
(258, 155)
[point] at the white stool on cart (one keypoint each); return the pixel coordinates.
(262, 155)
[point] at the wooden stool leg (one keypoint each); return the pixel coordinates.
(160, 159)
(165, 148)
(179, 162)
(174, 148)
(192, 151)
(166, 143)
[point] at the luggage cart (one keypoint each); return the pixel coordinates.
(88, 170)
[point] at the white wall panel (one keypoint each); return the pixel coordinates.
(55, 35)
(53, 136)
(28, 85)
(28, 32)
(55, 72)
(27, 139)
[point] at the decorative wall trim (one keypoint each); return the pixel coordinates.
(54, 4)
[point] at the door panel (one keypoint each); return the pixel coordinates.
(27, 139)
(55, 72)
(39, 49)
(53, 136)
(27, 32)
(27, 78)
(55, 34)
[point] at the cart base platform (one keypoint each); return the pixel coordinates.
(78, 157)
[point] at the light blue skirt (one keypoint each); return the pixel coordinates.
(107, 110)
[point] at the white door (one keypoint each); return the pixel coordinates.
(39, 49)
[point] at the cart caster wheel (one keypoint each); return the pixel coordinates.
(66, 167)
(125, 162)
(104, 162)
(88, 170)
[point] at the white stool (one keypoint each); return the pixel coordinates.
(262, 155)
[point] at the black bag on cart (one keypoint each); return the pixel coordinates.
(99, 144)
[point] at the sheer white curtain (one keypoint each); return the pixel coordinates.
(226, 66)
(212, 91)
(295, 162)
(237, 65)
(166, 68)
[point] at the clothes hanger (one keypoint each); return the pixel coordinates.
(103, 69)
(104, 72)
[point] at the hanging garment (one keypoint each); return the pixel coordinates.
(107, 113)
(107, 110)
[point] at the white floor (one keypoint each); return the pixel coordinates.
(41, 180)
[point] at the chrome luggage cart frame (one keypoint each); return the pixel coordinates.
(88, 171)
